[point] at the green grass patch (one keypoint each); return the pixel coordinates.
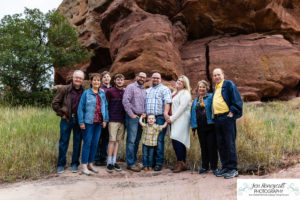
(30, 135)
(29, 142)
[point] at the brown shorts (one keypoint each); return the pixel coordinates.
(116, 131)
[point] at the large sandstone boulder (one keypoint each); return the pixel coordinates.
(262, 66)
(211, 17)
(255, 42)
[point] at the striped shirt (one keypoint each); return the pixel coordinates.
(116, 110)
(156, 99)
(150, 134)
(134, 99)
(104, 88)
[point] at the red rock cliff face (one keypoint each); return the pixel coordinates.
(255, 42)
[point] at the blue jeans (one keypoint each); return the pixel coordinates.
(148, 155)
(180, 150)
(101, 154)
(225, 128)
(134, 133)
(159, 150)
(90, 136)
(65, 132)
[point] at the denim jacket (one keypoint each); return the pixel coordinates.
(232, 98)
(208, 104)
(87, 106)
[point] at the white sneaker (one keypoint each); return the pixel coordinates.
(86, 172)
(93, 169)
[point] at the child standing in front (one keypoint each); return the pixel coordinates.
(150, 134)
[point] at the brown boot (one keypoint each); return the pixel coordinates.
(180, 167)
(183, 166)
(134, 168)
(176, 166)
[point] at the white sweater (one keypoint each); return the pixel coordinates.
(180, 127)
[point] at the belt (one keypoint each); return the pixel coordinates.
(221, 114)
(73, 115)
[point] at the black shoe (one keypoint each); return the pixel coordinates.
(202, 171)
(100, 163)
(117, 167)
(157, 167)
(215, 171)
(231, 174)
(110, 168)
(222, 172)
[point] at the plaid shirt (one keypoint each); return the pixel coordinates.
(134, 99)
(150, 134)
(156, 98)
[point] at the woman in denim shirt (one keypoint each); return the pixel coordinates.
(201, 120)
(92, 116)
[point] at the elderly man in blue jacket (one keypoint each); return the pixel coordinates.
(227, 107)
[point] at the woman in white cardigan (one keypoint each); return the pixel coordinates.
(180, 121)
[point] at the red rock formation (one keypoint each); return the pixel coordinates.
(255, 42)
(165, 7)
(262, 66)
(212, 17)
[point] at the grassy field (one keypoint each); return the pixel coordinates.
(29, 140)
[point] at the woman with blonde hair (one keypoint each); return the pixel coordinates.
(180, 121)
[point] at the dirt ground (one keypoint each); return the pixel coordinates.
(125, 185)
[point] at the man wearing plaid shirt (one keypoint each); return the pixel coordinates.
(158, 101)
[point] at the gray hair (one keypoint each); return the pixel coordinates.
(78, 72)
(218, 69)
(157, 73)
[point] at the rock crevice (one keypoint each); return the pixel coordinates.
(255, 42)
(207, 58)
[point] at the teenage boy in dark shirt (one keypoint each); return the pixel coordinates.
(116, 126)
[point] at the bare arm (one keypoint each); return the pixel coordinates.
(104, 124)
(141, 120)
(166, 111)
(165, 125)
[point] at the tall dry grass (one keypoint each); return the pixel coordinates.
(266, 134)
(29, 140)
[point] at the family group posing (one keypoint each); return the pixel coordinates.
(106, 111)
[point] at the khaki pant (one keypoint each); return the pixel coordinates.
(116, 131)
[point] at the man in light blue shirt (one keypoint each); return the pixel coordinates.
(158, 101)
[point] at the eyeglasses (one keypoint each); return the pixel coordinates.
(142, 77)
(78, 78)
(156, 78)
